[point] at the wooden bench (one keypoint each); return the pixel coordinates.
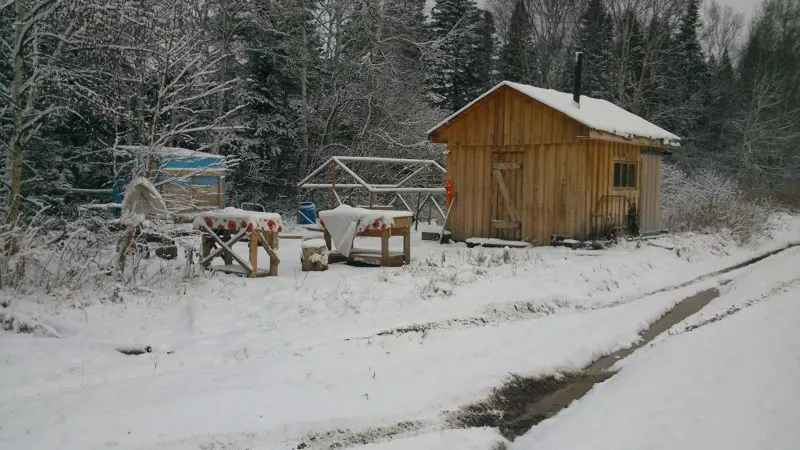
(401, 227)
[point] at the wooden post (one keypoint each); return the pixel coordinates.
(253, 254)
(446, 216)
(208, 244)
(430, 205)
(269, 241)
(226, 236)
(373, 198)
(416, 216)
(327, 237)
(385, 246)
(407, 245)
(273, 257)
(299, 200)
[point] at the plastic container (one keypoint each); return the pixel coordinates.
(307, 214)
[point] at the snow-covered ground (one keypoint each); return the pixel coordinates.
(729, 383)
(345, 356)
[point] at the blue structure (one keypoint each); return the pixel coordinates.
(196, 176)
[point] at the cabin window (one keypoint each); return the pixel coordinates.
(624, 175)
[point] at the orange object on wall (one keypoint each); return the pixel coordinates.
(448, 188)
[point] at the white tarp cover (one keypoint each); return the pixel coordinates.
(344, 223)
(597, 114)
(141, 199)
(236, 219)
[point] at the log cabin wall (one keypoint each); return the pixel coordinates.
(564, 185)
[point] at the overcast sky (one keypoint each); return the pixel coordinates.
(745, 7)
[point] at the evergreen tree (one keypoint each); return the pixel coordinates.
(688, 81)
(772, 50)
(484, 56)
(723, 97)
(690, 61)
(515, 61)
(270, 146)
(630, 50)
(452, 79)
(595, 39)
(405, 19)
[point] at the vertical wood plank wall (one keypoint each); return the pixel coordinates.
(567, 183)
(651, 193)
(186, 193)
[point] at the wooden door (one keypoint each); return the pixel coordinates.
(650, 198)
(506, 195)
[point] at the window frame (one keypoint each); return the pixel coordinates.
(622, 173)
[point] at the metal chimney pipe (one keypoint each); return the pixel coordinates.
(576, 89)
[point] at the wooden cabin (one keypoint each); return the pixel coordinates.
(528, 164)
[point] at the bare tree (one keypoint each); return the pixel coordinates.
(722, 28)
(45, 31)
(765, 154)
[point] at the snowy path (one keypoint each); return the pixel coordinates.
(729, 384)
(260, 364)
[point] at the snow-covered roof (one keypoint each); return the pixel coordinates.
(599, 115)
(168, 152)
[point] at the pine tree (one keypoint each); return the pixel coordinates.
(452, 80)
(484, 56)
(690, 60)
(723, 97)
(595, 39)
(271, 145)
(406, 19)
(630, 51)
(687, 87)
(515, 61)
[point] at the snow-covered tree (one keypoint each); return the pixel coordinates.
(456, 24)
(594, 38)
(515, 60)
(486, 54)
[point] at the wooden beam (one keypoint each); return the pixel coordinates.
(505, 225)
(227, 249)
(506, 166)
(438, 137)
(501, 182)
(253, 247)
(269, 241)
(644, 142)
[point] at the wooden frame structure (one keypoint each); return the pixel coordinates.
(220, 243)
(396, 190)
(400, 227)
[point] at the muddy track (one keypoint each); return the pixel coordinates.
(343, 438)
(523, 402)
(781, 288)
(518, 311)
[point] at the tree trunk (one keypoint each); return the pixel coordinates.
(16, 148)
(314, 256)
(304, 92)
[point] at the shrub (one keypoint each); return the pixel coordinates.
(708, 201)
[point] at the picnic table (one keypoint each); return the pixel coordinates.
(342, 225)
(223, 228)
